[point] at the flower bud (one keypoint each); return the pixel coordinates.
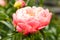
(19, 4)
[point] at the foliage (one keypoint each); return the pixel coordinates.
(8, 32)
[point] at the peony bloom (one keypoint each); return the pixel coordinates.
(2, 3)
(31, 19)
(19, 3)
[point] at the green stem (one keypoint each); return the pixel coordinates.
(43, 34)
(27, 2)
(32, 37)
(41, 2)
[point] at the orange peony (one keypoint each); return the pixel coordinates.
(31, 19)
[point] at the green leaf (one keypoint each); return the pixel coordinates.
(3, 16)
(31, 3)
(8, 24)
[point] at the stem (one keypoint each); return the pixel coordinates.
(32, 37)
(43, 34)
(41, 2)
(27, 2)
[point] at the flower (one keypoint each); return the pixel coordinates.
(31, 19)
(2, 3)
(19, 3)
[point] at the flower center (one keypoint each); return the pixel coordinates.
(30, 12)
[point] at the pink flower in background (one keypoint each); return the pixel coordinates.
(29, 20)
(2, 2)
(19, 3)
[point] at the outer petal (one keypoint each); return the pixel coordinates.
(25, 28)
(14, 19)
(33, 23)
(44, 18)
(19, 29)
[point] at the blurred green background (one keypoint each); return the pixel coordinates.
(51, 32)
